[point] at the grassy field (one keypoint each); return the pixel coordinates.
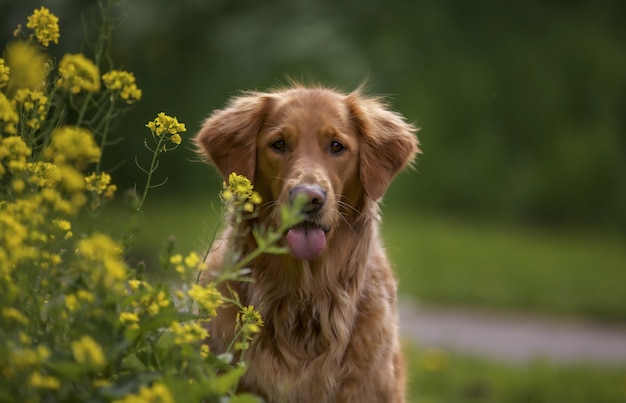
(436, 376)
(443, 261)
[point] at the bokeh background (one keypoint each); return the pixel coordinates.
(518, 202)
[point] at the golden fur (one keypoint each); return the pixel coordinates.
(330, 329)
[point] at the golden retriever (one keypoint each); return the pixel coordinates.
(330, 329)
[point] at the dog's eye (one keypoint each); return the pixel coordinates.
(336, 147)
(279, 145)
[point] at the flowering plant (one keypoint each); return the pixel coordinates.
(77, 322)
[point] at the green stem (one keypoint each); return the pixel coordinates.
(105, 132)
(150, 172)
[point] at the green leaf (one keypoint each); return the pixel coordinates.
(227, 382)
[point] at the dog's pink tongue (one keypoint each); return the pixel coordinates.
(306, 242)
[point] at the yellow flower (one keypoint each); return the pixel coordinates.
(123, 83)
(208, 298)
(32, 105)
(4, 73)
(249, 319)
(43, 174)
(75, 145)
(88, 351)
(130, 319)
(100, 250)
(135, 284)
(99, 183)
(187, 333)
(85, 295)
(157, 393)
(165, 124)
(28, 65)
(15, 150)
(240, 191)
(176, 259)
(176, 139)
(78, 73)
(46, 26)
(155, 305)
(63, 225)
(14, 314)
(37, 380)
(8, 116)
(71, 302)
(204, 351)
(192, 260)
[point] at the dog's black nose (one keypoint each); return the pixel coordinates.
(314, 195)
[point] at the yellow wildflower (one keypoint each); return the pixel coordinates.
(176, 139)
(192, 260)
(71, 302)
(187, 333)
(28, 65)
(18, 185)
(32, 105)
(176, 259)
(240, 191)
(8, 116)
(130, 319)
(158, 302)
(165, 124)
(110, 191)
(156, 393)
(15, 150)
(249, 319)
(99, 183)
(78, 73)
(37, 380)
(204, 351)
(85, 295)
(208, 298)
(72, 145)
(4, 73)
(46, 26)
(63, 225)
(43, 174)
(100, 249)
(123, 83)
(12, 313)
(87, 350)
(136, 284)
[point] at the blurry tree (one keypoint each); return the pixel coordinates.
(521, 104)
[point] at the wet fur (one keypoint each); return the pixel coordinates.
(330, 329)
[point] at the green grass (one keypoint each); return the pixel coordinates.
(436, 376)
(443, 261)
(449, 262)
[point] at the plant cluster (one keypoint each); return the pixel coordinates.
(77, 322)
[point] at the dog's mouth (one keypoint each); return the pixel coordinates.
(307, 240)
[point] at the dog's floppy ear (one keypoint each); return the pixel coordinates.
(388, 142)
(228, 136)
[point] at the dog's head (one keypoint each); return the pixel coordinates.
(333, 149)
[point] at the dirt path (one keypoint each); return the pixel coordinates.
(513, 338)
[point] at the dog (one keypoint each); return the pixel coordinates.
(330, 330)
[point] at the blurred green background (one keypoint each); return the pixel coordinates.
(519, 200)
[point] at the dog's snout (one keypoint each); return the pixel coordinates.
(314, 195)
